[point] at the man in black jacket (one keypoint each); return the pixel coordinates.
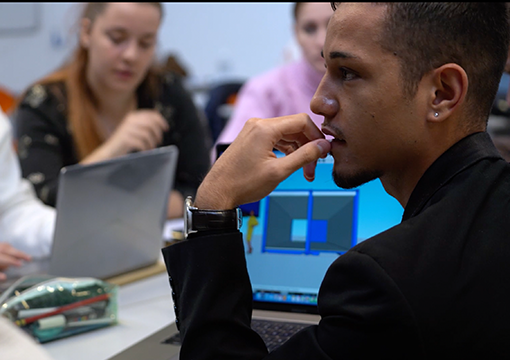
(407, 94)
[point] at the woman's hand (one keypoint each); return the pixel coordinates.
(10, 256)
(248, 170)
(139, 130)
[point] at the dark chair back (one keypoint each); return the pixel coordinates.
(219, 106)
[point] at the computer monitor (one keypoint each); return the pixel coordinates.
(296, 232)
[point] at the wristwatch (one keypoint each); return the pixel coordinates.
(196, 220)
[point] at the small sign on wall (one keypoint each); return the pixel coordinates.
(18, 18)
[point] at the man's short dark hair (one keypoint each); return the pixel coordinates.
(425, 36)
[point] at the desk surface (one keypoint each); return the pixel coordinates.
(145, 306)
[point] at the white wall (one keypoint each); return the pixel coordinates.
(213, 40)
(27, 55)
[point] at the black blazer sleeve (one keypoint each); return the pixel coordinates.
(364, 315)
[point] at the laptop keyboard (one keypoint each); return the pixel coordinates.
(274, 333)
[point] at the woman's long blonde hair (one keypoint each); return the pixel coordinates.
(82, 104)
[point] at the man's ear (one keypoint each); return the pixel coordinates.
(85, 30)
(450, 85)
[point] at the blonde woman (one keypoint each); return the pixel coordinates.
(109, 100)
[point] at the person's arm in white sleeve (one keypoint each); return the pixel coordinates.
(25, 222)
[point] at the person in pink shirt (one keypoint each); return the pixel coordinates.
(287, 89)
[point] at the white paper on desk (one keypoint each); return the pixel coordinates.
(171, 225)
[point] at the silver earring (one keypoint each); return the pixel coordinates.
(436, 114)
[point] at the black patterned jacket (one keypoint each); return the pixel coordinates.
(45, 142)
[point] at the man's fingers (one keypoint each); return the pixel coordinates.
(295, 129)
(299, 126)
(285, 147)
(306, 157)
(309, 171)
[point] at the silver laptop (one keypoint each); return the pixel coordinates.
(110, 216)
(302, 228)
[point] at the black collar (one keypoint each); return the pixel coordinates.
(460, 156)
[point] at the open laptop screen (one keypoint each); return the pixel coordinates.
(294, 234)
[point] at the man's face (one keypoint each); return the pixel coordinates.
(377, 132)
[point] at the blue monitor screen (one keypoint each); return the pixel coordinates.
(293, 235)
